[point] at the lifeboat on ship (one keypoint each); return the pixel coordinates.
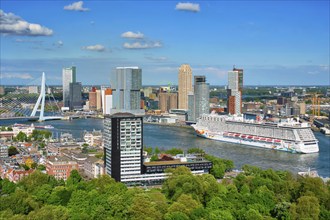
(269, 140)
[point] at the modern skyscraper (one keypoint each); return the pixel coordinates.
(234, 91)
(75, 97)
(68, 76)
(167, 101)
(126, 84)
(198, 101)
(106, 100)
(123, 145)
(185, 85)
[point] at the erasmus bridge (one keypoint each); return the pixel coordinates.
(19, 105)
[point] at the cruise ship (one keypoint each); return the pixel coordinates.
(289, 136)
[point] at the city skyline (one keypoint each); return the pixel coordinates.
(276, 43)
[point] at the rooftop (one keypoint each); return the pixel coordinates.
(175, 161)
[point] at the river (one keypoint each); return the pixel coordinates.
(166, 137)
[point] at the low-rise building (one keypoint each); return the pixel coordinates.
(17, 175)
(79, 157)
(93, 138)
(3, 151)
(60, 167)
(22, 128)
(57, 148)
(93, 167)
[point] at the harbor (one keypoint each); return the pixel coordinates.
(166, 137)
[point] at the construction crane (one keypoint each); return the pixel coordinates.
(316, 107)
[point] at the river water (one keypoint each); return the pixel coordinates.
(165, 137)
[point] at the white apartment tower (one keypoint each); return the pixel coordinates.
(123, 145)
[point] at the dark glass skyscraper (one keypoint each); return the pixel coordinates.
(198, 102)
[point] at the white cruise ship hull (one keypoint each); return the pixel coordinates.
(262, 142)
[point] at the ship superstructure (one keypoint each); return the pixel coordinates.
(288, 136)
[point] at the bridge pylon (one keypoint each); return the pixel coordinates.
(41, 99)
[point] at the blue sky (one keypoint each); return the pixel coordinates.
(275, 42)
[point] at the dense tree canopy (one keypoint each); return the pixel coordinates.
(254, 194)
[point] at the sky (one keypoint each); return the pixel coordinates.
(275, 42)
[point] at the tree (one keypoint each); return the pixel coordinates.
(74, 178)
(196, 151)
(143, 208)
(185, 204)
(22, 137)
(308, 208)
(147, 149)
(50, 212)
(174, 151)
(41, 167)
(157, 151)
(154, 157)
(7, 187)
(12, 151)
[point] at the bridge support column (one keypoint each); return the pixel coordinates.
(41, 99)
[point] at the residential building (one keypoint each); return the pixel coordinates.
(234, 91)
(75, 96)
(126, 84)
(92, 99)
(33, 90)
(17, 175)
(25, 129)
(198, 101)
(2, 90)
(123, 149)
(106, 100)
(98, 100)
(60, 167)
(93, 138)
(123, 145)
(68, 76)
(93, 167)
(3, 151)
(168, 101)
(185, 85)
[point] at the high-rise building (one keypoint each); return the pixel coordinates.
(234, 91)
(2, 90)
(167, 101)
(185, 85)
(75, 97)
(106, 100)
(126, 84)
(68, 76)
(92, 100)
(198, 101)
(123, 145)
(98, 100)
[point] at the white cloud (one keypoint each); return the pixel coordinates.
(58, 44)
(11, 24)
(19, 40)
(156, 58)
(130, 34)
(76, 6)
(187, 6)
(139, 45)
(15, 76)
(97, 47)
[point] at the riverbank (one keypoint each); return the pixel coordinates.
(168, 124)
